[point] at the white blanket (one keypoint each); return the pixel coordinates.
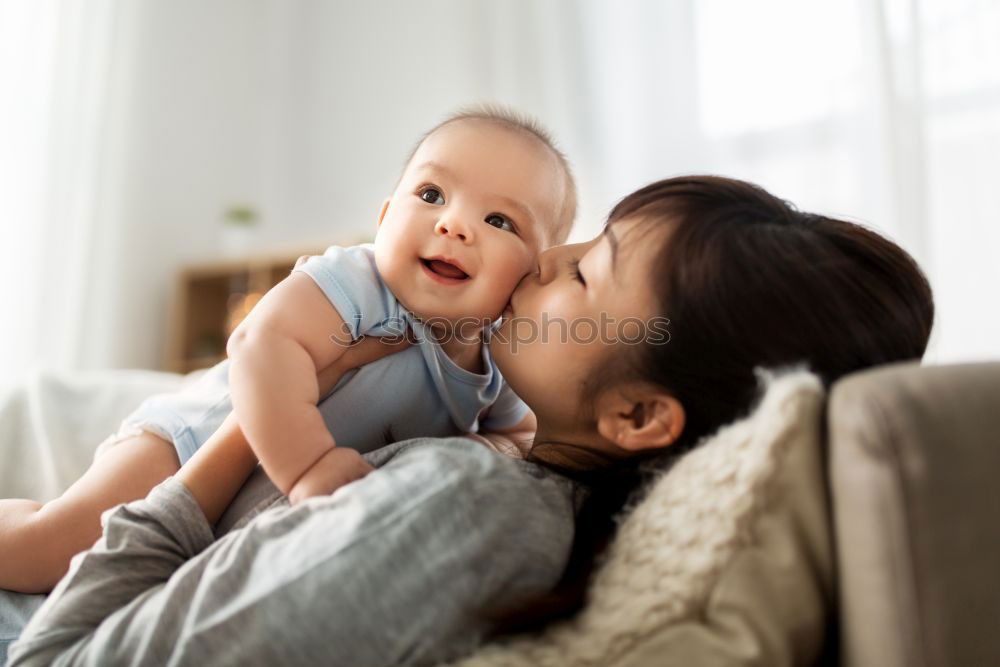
(51, 423)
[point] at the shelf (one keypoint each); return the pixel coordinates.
(213, 297)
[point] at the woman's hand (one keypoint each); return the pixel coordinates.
(338, 467)
(364, 351)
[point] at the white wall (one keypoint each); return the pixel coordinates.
(304, 109)
(188, 111)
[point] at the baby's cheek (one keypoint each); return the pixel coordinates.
(393, 272)
(519, 263)
(385, 255)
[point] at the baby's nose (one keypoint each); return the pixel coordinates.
(453, 227)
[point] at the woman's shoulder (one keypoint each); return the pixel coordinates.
(515, 444)
(470, 459)
(457, 480)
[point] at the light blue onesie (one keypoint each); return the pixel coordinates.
(417, 392)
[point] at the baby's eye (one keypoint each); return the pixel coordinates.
(432, 195)
(500, 222)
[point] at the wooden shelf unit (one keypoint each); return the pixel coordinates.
(210, 300)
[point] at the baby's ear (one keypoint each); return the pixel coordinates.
(381, 213)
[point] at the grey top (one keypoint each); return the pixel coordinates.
(395, 569)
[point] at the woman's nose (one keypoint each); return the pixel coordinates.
(454, 227)
(547, 265)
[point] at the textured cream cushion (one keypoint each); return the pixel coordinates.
(726, 561)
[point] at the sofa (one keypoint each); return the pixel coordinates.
(876, 541)
(913, 460)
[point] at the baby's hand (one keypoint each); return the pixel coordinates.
(339, 466)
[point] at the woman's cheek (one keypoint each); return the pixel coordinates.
(554, 306)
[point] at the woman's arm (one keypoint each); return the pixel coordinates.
(138, 551)
(143, 545)
(218, 469)
(399, 568)
(137, 555)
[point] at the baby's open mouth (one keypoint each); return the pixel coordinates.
(445, 269)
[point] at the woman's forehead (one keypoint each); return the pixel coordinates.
(631, 234)
(626, 260)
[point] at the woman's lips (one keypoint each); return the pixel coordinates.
(443, 269)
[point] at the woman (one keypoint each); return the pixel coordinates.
(391, 568)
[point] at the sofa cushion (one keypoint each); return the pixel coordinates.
(914, 461)
(726, 560)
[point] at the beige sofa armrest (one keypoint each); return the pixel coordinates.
(914, 460)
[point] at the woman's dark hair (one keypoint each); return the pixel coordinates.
(746, 281)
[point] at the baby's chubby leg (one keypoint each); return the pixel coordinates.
(38, 540)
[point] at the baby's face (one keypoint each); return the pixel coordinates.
(467, 221)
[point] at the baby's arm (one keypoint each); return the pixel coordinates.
(274, 356)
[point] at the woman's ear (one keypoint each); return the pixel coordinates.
(382, 211)
(639, 418)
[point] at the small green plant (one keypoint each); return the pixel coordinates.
(240, 216)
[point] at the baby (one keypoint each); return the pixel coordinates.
(480, 197)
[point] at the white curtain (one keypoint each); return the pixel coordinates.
(57, 213)
(886, 112)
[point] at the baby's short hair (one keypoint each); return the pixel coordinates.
(511, 119)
